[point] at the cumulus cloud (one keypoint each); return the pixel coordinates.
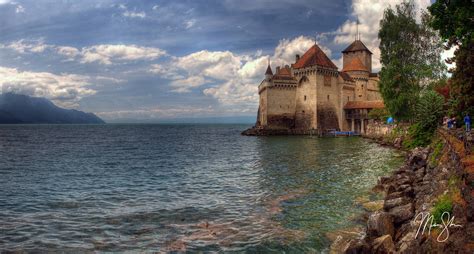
(27, 46)
(184, 85)
(369, 13)
(219, 65)
(64, 89)
(69, 52)
(105, 54)
(230, 78)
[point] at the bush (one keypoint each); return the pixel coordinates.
(438, 146)
(444, 204)
(429, 110)
(379, 114)
(417, 136)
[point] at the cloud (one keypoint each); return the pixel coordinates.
(189, 23)
(369, 13)
(64, 89)
(221, 65)
(69, 52)
(230, 78)
(133, 14)
(106, 54)
(4, 2)
(27, 46)
(19, 9)
(103, 54)
(184, 85)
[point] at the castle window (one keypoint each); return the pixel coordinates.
(328, 96)
(327, 80)
(304, 99)
(302, 111)
(348, 98)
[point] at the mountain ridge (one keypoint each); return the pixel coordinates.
(23, 109)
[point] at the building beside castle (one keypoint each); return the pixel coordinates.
(312, 94)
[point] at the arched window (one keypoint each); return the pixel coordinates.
(305, 98)
(328, 96)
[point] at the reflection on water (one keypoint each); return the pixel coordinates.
(178, 188)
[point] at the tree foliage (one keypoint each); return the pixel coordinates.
(454, 19)
(429, 110)
(379, 114)
(410, 57)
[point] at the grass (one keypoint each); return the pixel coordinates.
(444, 204)
(438, 146)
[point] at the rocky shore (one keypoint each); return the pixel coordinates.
(432, 180)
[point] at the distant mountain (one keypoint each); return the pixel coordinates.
(16, 108)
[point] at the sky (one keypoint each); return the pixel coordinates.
(150, 60)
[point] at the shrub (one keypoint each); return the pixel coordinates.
(417, 136)
(379, 114)
(438, 146)
(444, 204)
(429, 110)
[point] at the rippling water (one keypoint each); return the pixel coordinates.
(178, 187)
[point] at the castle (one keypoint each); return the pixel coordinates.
(312, 95)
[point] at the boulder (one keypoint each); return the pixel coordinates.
(383, 244)
(402, 213)
(380, 223)
(355, 247)
(373, 205)
(391, 203)
(418, 158)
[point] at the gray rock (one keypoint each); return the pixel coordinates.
(391, 203)
(402, 213)
(380, 223)
(383, 244)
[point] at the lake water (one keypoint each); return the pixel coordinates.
(179, 187)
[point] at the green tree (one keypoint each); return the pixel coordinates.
(410, 57)
(454, 19)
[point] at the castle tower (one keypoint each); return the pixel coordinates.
(360, 73)
(359, 50)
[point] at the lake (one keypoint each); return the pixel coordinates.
(181, 187)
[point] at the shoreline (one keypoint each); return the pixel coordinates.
(415, 190)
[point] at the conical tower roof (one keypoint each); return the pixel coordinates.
(357, 45)
(269, 70)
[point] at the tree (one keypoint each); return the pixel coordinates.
(410, 57)
(454, 19)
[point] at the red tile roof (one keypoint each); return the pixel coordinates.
(284, 72)
(314, 56)
(345, 76)
(355, 65)
(364, 104)
(357, 45)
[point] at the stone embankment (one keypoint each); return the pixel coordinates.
(259, 131)
(430, 179)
